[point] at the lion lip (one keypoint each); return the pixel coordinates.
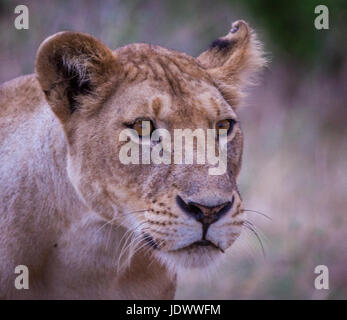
(202, 243)
(205, 242)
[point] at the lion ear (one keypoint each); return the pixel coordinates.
(71, 66)
(232, 60)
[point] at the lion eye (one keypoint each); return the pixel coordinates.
(143, 127)
(227, 124)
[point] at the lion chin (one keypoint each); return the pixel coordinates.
(191, 257)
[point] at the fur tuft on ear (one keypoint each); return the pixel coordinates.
(72, 67)
(233, 60)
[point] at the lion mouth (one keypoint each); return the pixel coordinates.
(203, 243)
(200, 243)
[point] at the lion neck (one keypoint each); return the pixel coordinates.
(141, 276)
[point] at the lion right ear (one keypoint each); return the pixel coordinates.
(232, 60)
(72, 67)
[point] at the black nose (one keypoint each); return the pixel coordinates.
(202, 213)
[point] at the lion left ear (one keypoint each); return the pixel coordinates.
(74, 67)
(232, 60)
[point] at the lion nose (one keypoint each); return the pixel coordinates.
(203, 213)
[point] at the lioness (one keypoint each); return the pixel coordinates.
(85, 224)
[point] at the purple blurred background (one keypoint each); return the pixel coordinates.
(295, 160)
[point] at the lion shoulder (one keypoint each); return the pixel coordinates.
(19, 99)
(22, 94)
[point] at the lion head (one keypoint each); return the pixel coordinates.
(182, 213)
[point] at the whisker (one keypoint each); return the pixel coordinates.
(142, 243)
(258, 212)
(131, 240)
(151, 252)
(260, 232)
(135, 239)
(137, 243)
(118, 215)
(128, 237)
(131, 248)
(132, 230)
(250, 226)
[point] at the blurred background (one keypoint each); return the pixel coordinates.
(295, 159)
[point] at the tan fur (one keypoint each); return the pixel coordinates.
(71, 211)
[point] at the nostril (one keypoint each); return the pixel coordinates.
(202, 213)
(224, 208)
(195, 210)
(189, 208)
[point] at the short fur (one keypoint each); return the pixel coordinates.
(70, 210)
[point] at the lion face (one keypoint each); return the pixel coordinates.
(179, 211)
